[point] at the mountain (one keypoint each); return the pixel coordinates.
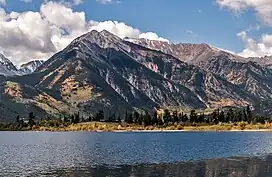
(136, 64)
(252, 75)
(6, 67)
(31, 66)
(189, 53)
(265, 61)
(99, 70)
(197, 54)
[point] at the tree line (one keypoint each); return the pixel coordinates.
(172, 117)
(154, 118)
(167, 117)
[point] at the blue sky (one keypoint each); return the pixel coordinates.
(195, 21)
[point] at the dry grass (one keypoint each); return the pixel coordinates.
(225, 102)
(50, 104)
(13, 89)
(74, 92)
(113, 127)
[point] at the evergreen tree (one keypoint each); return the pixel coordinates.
(201, 118)
(160, 122)
(99, 116)
(111, 118)
(65, 119)
(17, 119)
(76, 118)
(180, 116)
(136, 117)
(126, 117)
(228, 117)
(119, 118)
(221, 117)
(185, 118)
(31, 118)
(114, 118)
(193, 116)
(232, 115)
(244, 116)
(214, 117)
(140, 119)
(130, 118)
(72, 118)
(175, 117)
(147, 119)
(249, 114)
(90, 119)
(154, 121)
(166, 116)
(239, 116)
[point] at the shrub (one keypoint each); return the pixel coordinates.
(242, 125)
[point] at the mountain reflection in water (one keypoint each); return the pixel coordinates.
(230, 167)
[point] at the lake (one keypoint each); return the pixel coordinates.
(135, 154)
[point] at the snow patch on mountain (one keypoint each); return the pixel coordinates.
(6, 67)
(31, 66)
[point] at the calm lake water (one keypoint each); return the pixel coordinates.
(135, 154)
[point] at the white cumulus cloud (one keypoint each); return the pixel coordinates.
(152, 36)
(32, 35)
(256, 48)
(3, 2)
(104, 1)
(109, 1)
(263, 8)
(26, 1)
(118, 28)
(77, 2)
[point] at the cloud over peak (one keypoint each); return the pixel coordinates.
(38, 35)
(256, 48)
(263, 9)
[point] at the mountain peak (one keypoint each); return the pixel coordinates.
(105, 32)
(4, 60)
(7, 67)
(31, 66)
(103, 39)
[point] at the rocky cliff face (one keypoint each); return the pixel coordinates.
(189, 53)
(252, 75)
(6, 67)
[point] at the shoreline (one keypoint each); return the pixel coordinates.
(149, 131)
(173, 131)
(141, 131)
(124, 127)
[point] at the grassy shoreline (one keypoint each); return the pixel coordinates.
(123, 127)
